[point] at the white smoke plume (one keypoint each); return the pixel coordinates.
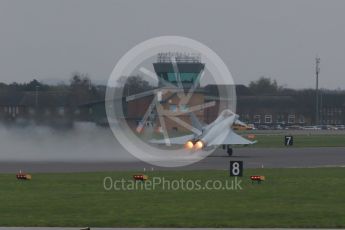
(86, 142)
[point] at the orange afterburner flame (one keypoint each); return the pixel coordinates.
(189, 145)
(199, 145)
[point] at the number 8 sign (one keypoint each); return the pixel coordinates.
(236, 168)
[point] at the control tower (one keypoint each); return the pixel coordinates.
(171, 66)
(181, 70)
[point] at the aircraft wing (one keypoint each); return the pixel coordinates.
(175, 140)
(231, 138)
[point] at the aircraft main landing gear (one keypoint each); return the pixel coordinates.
(229, 150)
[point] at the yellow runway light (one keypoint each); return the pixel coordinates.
(251, 136)
(140, 177)
(23, 176)
(257, 178)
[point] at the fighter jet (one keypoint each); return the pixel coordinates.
(217, 133)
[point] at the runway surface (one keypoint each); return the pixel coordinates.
(252, 157)
(58, 228)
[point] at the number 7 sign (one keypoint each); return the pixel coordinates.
(288, 140)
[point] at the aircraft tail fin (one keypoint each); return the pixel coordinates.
(195, 122)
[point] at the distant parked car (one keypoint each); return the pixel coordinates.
(333, 127)
(311, 128)
(264, 127)
(340, 127)
(241, 127)
(294, 127)
(278, 127)
(251, 126)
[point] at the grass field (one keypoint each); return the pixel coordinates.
(288, 198)
(266, 140)
(276, 140)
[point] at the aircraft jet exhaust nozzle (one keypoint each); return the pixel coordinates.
(189, 145)
(199, 145)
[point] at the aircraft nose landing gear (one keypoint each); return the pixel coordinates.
(229, 150)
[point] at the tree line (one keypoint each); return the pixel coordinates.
(81, 89)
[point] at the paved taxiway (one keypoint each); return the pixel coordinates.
(61, 228)
(58, 228)
(252, 157)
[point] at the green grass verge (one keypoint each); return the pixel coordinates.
(288, 198)
(277, 140)
(265, 140)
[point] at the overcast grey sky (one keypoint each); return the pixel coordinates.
(279, 39)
